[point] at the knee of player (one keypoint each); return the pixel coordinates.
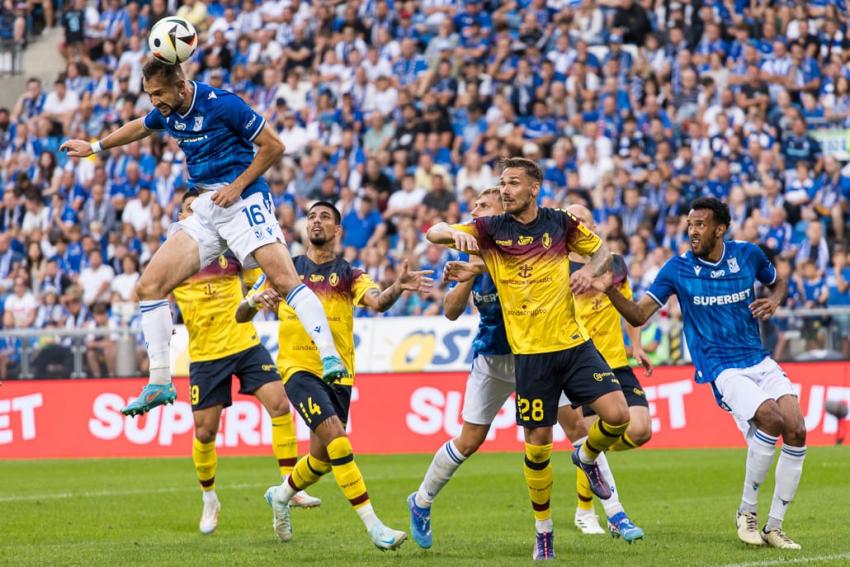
(284, 282)
(640, 435)
(205, 433)
(147, 289)
(279, 407)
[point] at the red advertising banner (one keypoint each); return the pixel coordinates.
(391, 413)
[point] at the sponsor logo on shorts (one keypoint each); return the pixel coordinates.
(600, 376)
(639, 392)
(268, 367)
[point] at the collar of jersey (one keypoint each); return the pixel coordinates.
(717, 263)
(194, 97)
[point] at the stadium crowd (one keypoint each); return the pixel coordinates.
(399, 112)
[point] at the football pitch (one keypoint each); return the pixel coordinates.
(140, 511)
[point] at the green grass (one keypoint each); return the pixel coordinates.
(117, 512)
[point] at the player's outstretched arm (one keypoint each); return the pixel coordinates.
(269, 152)
(636, 314)
(407, 281)
(444, 233)
(266, 299)
(126, 134)
(765, 307)
(456, 300)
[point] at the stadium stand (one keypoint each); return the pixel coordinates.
(399, 112)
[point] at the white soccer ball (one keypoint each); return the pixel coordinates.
(173, 40)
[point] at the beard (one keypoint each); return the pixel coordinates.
(318, 240)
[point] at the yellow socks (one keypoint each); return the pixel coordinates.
(624, 443)
(284, 444)
(308, 470)
(538, 477)
(346, 472)
(600, 437)
(206, 463)
(583, 493)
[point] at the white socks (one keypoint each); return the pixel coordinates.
(759, 458)
(367, 514)
(157, 328)
(446, 461)
(210, 496)
(309, 310)
(543, 526)
(789, 468)
(285, 492)
(612, 506)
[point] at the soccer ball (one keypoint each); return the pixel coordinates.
(173, 40)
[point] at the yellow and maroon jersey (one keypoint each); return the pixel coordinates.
(531, 268)
(602, 321)
(340, 288)
(208, 301)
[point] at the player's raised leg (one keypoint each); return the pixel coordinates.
(205, 460)
(173, 263)
(285, 446)
(277, 264)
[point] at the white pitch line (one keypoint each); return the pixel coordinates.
(811, 559)
(112, 493)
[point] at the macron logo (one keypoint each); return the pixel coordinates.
(211, 96)
(697, 269)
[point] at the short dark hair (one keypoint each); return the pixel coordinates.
(716, 206)
(155, 68)
(530, 167)
(326, 204)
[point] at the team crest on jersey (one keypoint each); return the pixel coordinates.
(333, 280)
(547, 240)
(525, 240)
(697, 269)
(179, 126)
(733, 265)
(199, 123)
(316, 278)
(222, 262)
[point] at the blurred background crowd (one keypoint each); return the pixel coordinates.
(399, 111)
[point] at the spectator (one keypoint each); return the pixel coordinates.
(101, 349)
(20, 306)
(96, 279)
(363, 225)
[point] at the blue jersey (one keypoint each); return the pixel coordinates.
(491, 337)
(715, 299)
(216, 134)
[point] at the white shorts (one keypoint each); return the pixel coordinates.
(243, 227)
(491, 382)
(742, 390)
